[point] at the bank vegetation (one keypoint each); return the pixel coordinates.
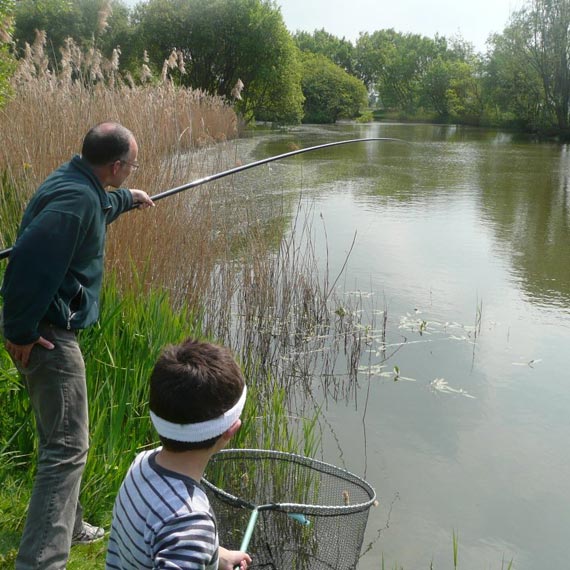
(202, 264)
(241, 50)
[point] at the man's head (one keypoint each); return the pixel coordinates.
(197, 393)
(112, 151)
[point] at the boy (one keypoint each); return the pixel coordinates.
(162, 517)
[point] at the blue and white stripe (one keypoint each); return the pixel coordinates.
(161, 519)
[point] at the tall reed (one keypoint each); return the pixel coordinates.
(45, 121)
(204, 265)
(41, 127)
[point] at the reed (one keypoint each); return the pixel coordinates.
(44, 123)
(204, 264)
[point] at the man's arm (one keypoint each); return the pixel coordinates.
(124, 199)
(141, 199)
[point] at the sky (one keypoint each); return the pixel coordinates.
(474, 20)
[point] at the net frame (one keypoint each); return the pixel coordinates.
(320, 512)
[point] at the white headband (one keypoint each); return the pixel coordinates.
(200, 431)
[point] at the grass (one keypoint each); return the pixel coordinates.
(119, 354)
(203, 265)
(41, 127)
(168, 277)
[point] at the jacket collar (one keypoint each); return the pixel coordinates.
(83, 166)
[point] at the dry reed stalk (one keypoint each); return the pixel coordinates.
(254, 286)
(6, 29)
(43, 125)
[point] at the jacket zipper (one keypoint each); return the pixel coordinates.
(72, 314)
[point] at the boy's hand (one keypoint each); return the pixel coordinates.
(229, 559)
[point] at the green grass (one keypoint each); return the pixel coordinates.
(120, 352)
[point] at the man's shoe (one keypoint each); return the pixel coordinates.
(88, 534)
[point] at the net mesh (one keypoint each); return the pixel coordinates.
(312, 515)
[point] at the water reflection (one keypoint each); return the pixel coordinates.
(524, 198)
(518, 189)
(458, 231)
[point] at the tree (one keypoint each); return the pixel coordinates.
(160, 26)
(394, 64)
(512, 86)
(224, 41)
(339, 51)
(330, 92)
(538, 38)
(91, 23)
(548, 44)
(7, 62)
(57, 18)
(450, 85)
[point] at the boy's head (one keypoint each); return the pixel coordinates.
(197, 393)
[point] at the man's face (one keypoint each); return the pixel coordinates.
(121, 169)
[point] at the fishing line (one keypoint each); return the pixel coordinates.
(6, 252)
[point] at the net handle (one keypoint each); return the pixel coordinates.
(301, 519)
(248, 532)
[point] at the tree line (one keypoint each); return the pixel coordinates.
(241, 49)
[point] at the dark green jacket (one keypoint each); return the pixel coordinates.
(56, 266)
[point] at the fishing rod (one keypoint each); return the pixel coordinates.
(6, 252)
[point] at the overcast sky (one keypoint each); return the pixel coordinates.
(473, 19)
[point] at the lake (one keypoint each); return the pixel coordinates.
(460, 238)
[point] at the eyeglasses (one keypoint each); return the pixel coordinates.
(133, 165)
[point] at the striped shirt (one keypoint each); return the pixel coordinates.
(161, 519)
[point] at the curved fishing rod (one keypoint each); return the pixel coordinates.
(6, 252)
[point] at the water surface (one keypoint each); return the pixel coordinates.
(463, 237)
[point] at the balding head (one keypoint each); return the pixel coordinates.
(106, 143)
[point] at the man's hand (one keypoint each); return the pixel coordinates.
(231, 558)
(141, 199)
(20, 353)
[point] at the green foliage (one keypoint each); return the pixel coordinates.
(7, 68)
(545, 31)
(100, 23)
(523, 82)
(56, 17)
(529, 66)
(513, 88)
(12, 205)
(7, 61)
(120, 352)
(415, 75)
(339, 51)
(224, 41)
(161, 25)
(330, 92)
(451, 89)
(394, 64)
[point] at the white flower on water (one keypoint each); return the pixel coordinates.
(441, 385)
(397, 377)
(373, 370)
(530, 363)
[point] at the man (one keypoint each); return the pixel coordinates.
(51, 289)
